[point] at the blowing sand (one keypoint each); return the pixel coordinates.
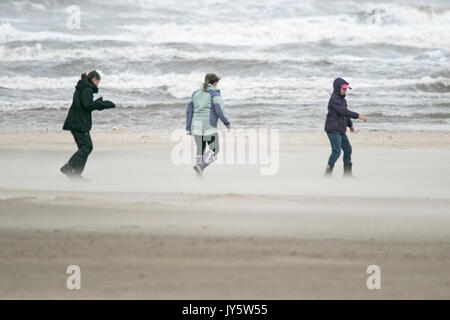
(143, 227)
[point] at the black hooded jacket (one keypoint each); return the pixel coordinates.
(338, 117)
(79, 117)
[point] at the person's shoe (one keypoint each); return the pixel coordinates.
(198, 170)
(68, 170)
(348, 170)
(329, 170)
(208, 158)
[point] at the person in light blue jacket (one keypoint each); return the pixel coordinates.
(203, 112)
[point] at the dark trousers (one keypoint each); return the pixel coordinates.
(84, 144)
(211, 140)
(339, 141)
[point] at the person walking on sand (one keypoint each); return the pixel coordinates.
(338, 119)
(79, 121)
(203, 111)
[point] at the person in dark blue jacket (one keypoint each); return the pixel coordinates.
(79, 121)
(338, 119)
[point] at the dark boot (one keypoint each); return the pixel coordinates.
(329, 170)
(68, 170)
(348, 170)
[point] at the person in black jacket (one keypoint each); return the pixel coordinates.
(338, 119)
(79, 121)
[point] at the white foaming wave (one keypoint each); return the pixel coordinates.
(301, 30)
(9, 33)
(159, 54)
(265, 32)
(27, 5)
(136, 53)
(393, 13)
(37, 105)
(37, 53)
(415, 112)
(181, 86)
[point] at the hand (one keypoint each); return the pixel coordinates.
(108, 104)
(352, 129)
(363, 118)
(229, 128)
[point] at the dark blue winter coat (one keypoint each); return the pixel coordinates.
(338, 117)
(79, 117)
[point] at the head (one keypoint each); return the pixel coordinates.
(212, 79)
(93, 77)
(340, 87)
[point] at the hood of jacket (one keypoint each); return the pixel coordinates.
(83, 83)
(212, 88)
(337, 83)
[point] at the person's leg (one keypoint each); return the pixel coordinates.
(68, 168)
(79, 158)
(200, 146)
(213, 143)
(87, 146)
(211, 155)
(347, 148)
(335, 142)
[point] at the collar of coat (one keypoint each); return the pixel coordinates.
(83, 83)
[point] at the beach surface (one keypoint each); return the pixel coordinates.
(144, 227)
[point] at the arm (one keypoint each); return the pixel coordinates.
(343, 111)
(219, 108)
(189, 115)
(104, 104)
(349, 123)
(88, 103)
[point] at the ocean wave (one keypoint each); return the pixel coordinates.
(303, 30)
(440, 85)
(394, 14)
(230, 10)
(64, 105)
(158, 54)
(9, 33)
(306, 29)
(277, 58)
(138, 53)
(426, 113)
(34, 106)
(28, 5)
(181, 86)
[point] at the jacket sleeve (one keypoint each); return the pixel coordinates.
(343, 111)
(219, 108)
(106, 104)
(88, 103)
(189, 115)
(349, 123)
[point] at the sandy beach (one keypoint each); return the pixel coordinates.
(145, 228)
